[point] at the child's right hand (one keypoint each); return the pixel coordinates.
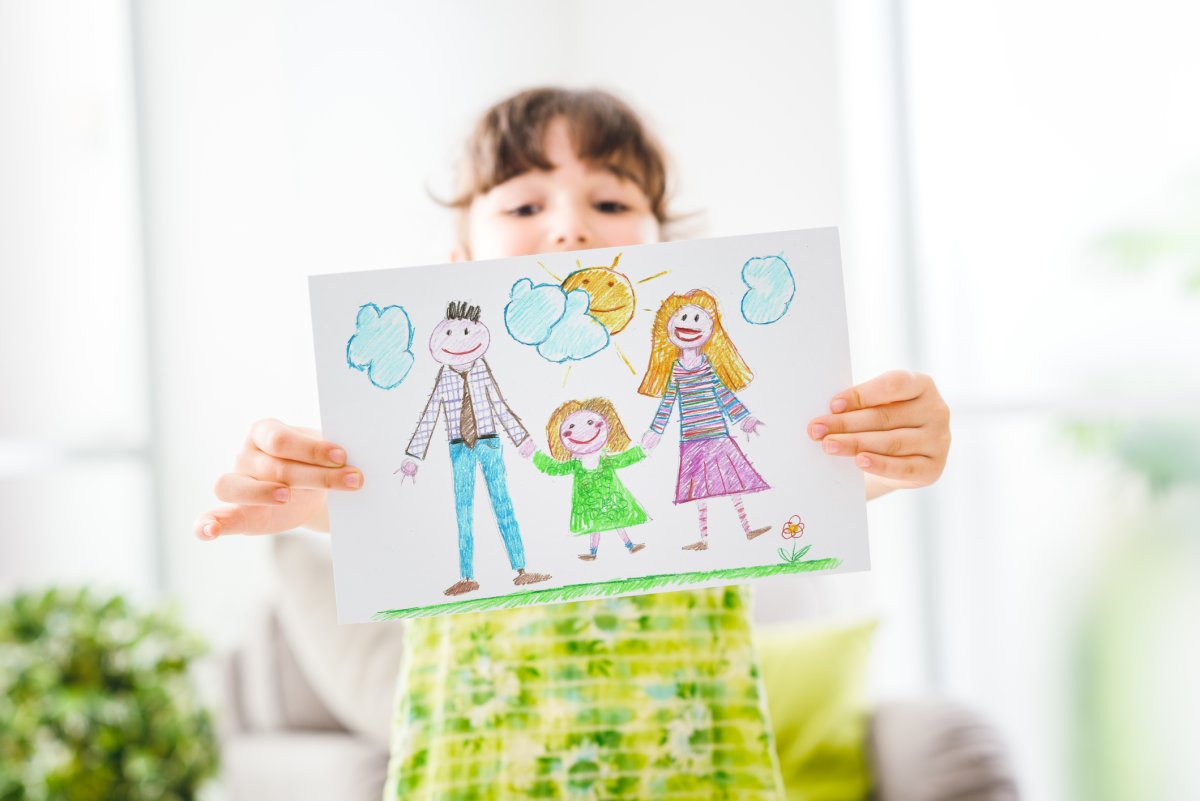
(279, 483)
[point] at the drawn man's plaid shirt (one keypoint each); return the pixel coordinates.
(447, 394)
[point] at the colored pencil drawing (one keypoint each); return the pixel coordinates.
(694, 363)
(466, 391)
(588, 442)
(770, 289)
(793, 530)
(382, 345)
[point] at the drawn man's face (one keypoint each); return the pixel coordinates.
(459, 342)
(583, 432)
(690, 327)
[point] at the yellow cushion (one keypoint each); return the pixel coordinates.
(813, 674)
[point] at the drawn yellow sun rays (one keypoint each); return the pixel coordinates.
(612, 297)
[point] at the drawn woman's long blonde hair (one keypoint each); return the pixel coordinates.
(618, 438)
(726, 361)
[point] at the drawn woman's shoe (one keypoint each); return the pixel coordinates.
(700, 545)
(459, 587)
(752, 534)
(588, 557)
(529, 578)
(637, 547)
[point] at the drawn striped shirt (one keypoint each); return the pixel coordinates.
(704, 403)
(486, 400)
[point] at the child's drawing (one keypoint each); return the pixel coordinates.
(555, 318)
(588, 442)
(692, 361)
(793, 530)
(771, 288)
(467, 392)
(382, 345)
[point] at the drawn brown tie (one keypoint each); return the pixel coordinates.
(466, 425)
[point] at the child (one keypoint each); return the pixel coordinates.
(693, 361)
(644, 696)
(599, 501)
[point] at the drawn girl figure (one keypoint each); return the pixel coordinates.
(693, 362)
(588, 442)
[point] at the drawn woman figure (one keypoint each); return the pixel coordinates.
(588, 441)
(692, 361)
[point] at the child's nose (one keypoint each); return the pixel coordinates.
(570, 232)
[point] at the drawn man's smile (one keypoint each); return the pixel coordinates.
(688, 334)
(462, 352)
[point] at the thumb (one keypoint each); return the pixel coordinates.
(218, 522)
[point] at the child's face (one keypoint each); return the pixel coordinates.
(575, 206)
(458, 342)
(690, 327)
(583, 432)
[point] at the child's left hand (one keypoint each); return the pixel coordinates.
(896, 426)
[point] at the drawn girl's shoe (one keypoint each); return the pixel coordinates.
(637, 546)
(588, 557)
(752, 534)
(529, 578)
(459, 587)
(700, 545)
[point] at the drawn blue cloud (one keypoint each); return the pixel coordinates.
(382, 345)
(533, 310)
(771, 289)
(577, 335)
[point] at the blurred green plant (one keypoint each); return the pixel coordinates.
(1163, 453)
(97, 702)
(1172, 244)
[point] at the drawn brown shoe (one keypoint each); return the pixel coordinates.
(459, 587)
(588, 557)
(752, 534)
(530, 578)
(701, 545)
(637, 547)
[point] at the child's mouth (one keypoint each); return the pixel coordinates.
(584, 441)
(462, 352)
(688, 334)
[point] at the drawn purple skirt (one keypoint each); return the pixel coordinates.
(711, 468)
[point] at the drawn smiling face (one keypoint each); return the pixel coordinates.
(611, 293)
(459, 342)
(583, 432)
(690, 327)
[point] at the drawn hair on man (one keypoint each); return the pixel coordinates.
(461, 310)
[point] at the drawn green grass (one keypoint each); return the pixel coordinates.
(604, 588)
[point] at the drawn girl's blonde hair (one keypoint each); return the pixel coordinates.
(726, 361)
(618, 439)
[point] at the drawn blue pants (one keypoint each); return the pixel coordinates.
(489, 455)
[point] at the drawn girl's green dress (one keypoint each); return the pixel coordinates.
(599, 501)
(635, 697)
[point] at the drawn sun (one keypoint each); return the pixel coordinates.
(613, 299)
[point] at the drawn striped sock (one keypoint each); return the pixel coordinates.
(703, 520)
(625, 537)
(741, 510)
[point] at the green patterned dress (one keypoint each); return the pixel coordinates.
(637, 697)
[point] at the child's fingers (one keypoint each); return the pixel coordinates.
(900, 442)
(891, 387)
(259, 465)
(220, 522)
(916, 471)
(890, 416)
(239, 488)
(285, 442)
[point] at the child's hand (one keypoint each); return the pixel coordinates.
(750, 425)
(407, 469)
(650, 441)
(896, 426)
(527, 448)
(279, 483)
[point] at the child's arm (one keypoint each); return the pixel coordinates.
(551, 467)
(661, 417)
(278, 483)
(734, 409)
(896, 426)
(627, 457)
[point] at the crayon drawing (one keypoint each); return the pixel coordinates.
(540, 493)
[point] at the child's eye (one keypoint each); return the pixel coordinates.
(527, 210)
(466, 331)
(590, 422)
(611, 207)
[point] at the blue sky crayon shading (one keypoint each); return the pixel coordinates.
(382, 345)
(556, 322)
(771, 288)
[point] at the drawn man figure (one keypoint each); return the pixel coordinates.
(475, 410)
